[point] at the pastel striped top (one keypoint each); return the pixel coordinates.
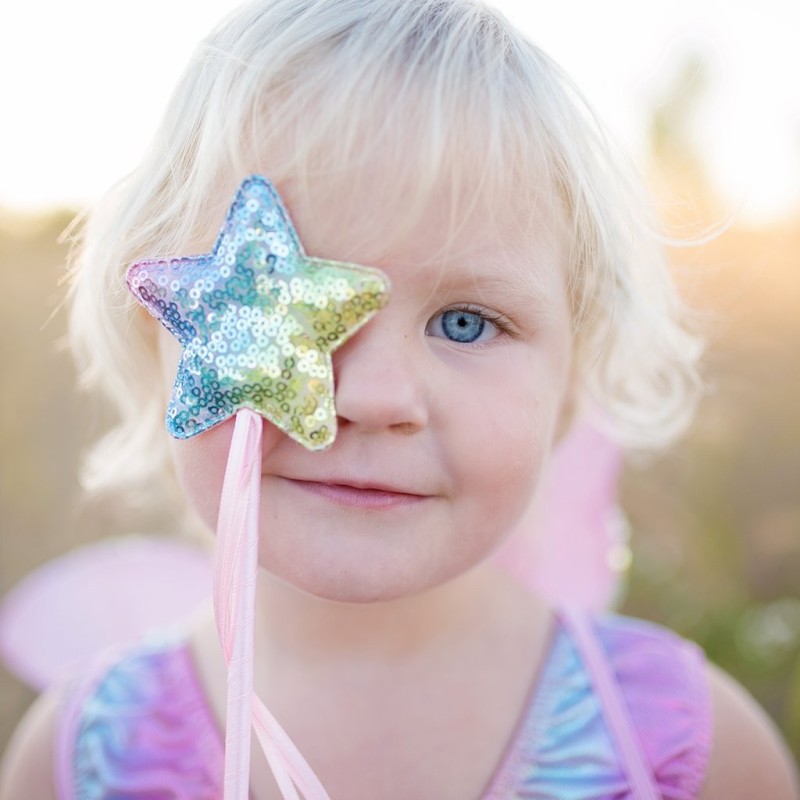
(620, 711)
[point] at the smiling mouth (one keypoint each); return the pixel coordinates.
(366, 497)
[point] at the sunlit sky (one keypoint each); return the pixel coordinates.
(83, 84)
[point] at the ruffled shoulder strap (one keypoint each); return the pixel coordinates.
(138, 724)
(621, 710)
(615, 711)
(653, 690)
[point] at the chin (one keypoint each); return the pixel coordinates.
(342, 582)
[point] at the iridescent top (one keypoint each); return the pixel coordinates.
(140, 728)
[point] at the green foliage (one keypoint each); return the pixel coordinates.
(716, 523)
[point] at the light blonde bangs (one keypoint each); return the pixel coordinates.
(414, 107)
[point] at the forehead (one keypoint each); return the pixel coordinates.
(466, 230)
(407, 161)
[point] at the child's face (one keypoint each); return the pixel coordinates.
(448, 403)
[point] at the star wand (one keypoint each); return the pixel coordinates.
(257, 320)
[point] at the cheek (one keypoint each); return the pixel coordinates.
(200, 466)
(509, 456)
(504, 450)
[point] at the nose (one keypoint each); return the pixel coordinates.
(378, 383)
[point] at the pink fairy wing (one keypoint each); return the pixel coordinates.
(563, 546)
(101, 595)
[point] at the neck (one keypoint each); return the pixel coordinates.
(304, 641)
(294, 625)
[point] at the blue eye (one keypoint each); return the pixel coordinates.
(462, 326)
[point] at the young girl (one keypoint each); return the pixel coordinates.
(426, 139)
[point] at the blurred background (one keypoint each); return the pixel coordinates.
(702, 93)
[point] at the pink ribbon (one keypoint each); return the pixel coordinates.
(235, 572)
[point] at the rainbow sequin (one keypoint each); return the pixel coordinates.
(258, 320)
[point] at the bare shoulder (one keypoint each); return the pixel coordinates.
(748, 757)
(27, 768)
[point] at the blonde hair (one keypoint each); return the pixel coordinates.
(448, 86)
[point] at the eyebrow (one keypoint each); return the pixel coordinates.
(508, 289)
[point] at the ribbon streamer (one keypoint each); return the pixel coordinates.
(235, 573)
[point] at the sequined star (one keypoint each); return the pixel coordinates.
(258, 320)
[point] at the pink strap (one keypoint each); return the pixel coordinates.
(615, 713)
(235, 571)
